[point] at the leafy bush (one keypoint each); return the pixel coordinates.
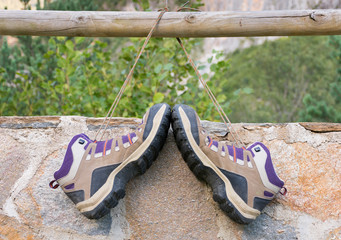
(281, 73)
(82, 76)
(73, 79)
(328, 106)
(290, 79)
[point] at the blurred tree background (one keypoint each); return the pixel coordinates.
(293, 79)
(286, 80)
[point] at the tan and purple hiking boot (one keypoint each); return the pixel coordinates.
(243, 180)
(94, 174)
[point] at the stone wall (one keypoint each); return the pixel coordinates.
(167, 202)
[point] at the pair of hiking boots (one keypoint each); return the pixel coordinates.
(94, 174)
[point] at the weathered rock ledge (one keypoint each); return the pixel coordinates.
(168, 202)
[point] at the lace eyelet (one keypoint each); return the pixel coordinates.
(52, 185)
(283, 191)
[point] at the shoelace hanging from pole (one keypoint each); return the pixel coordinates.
(221, 112)
(112, 109)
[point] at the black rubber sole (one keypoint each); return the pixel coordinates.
(133, 169)
(199, 169)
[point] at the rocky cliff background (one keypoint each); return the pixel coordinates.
(231, 44)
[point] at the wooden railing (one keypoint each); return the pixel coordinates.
(173, 24)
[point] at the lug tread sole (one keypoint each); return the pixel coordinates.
(203, 172)
(132, 169)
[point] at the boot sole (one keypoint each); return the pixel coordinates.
(205, 170)
(137, 163)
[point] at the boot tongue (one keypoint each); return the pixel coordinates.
(258, 147)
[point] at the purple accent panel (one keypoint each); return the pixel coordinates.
(223, 149)
(268, 194)
(68, 159)
(269, 167)
(71, 186)
(87, 139)
(248, 158)
(100, 147)
(116, 144)
(239, 153)
(249, 148)
(125, 139)
(86, 146)
(132, 135)
(209, 139)
(230, 148)
(109, 143)
(215, 143)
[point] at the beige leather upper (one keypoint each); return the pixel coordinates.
(87, 167)
(256, 187)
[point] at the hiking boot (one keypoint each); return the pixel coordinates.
(94, 174)
(243, 180)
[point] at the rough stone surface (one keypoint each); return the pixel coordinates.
(167, 202)
(10, 155)
(267, 228)
(322, 127)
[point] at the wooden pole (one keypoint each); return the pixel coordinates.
(173, 24)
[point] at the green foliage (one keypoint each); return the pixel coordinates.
(74, 5)
(335, 87)
(328, 107)
(26, 4)
(280, 73)
(66, 76)
(144, 5)
(318, 111)
(86, 79)
(112, 5)
(7, 61)
(289, 79)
